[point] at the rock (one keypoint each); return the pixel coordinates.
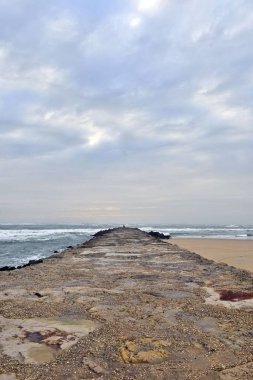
(93, 366)
(145, 350)
(7, 268)
(103, 232)
(30, 262)
(38, 294)
(10, 376)
(159, 235)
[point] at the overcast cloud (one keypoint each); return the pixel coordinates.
(126, 111)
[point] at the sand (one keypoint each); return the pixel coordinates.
(238, 253)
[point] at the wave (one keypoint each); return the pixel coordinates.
(193, 229)
(216, 232)
(21, 243)
(46, 233)
(22, 235)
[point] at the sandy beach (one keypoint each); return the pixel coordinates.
(238, 253)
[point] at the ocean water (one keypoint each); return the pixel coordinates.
(21, 243)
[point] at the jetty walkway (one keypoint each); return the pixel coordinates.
(125, 305)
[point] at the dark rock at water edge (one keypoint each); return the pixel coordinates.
(155, 234)
(159, 235)
(30, 262)
(103, 232)
(7, 268)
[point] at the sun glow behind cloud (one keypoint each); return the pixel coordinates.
(135, 22)
(149, 5)
(145, 7)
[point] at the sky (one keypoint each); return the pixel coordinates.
(126, 111)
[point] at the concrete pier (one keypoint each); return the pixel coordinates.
(126, 306)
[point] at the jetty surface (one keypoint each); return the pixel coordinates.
(126, 305)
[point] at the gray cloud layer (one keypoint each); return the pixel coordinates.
(126, 111)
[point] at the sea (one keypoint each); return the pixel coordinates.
(21, 243)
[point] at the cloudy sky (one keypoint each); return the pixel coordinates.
(126, 111)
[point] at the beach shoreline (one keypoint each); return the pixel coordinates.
(238, 253)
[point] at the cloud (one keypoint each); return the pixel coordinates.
(130, 102)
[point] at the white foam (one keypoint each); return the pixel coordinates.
(42, 234)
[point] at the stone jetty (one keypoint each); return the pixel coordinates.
(126, 305)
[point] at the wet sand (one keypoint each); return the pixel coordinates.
(238, 253)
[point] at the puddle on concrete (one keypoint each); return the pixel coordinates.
(42, 354)
(38, 340)
(35, 336)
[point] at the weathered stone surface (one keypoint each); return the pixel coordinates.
(126, 306)
(241, 372)
(145, 350)
(94, 366)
